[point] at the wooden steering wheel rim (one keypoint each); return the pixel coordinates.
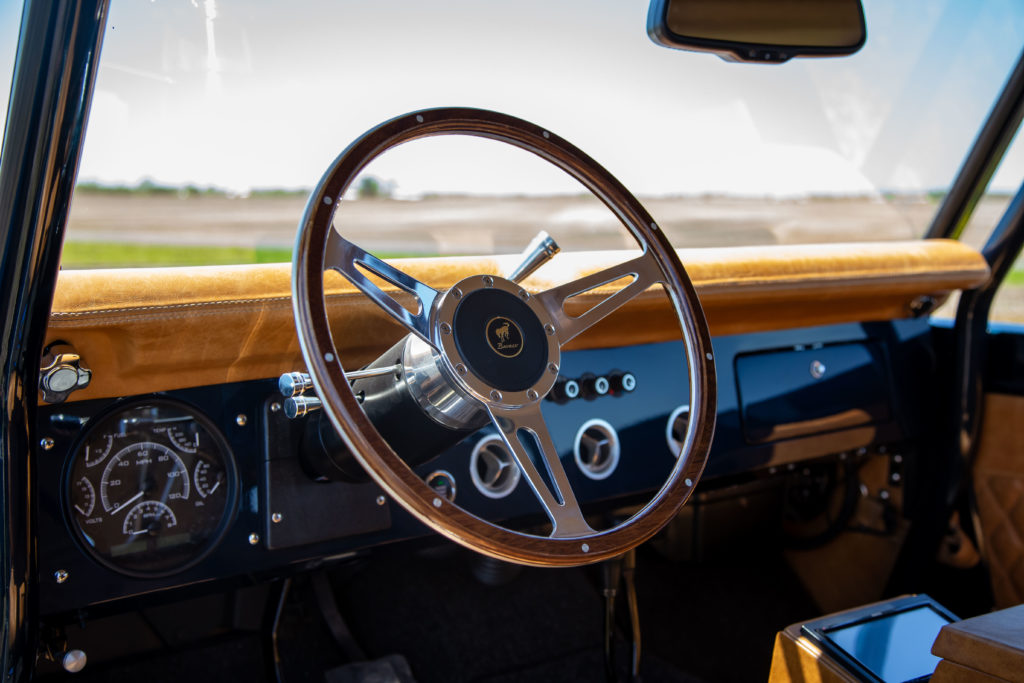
(366, 444)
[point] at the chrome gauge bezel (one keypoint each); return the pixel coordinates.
(231, 474)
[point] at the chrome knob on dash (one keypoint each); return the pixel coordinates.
(299, 406)
(294, 383)
(62, 372)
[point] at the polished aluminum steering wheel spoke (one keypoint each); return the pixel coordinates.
(344, 257)
(645, 272)
(560, 505)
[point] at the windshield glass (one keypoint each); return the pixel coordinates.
(10, 23)
(212, 119)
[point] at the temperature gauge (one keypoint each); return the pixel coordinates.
(185, 438)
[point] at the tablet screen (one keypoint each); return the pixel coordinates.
(894, 647)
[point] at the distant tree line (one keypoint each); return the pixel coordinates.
(368, 187)
(149, 188)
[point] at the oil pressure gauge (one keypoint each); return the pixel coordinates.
(151, 487)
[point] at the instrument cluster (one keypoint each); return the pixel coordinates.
(150, 487)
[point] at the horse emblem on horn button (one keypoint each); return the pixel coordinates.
(504, 336)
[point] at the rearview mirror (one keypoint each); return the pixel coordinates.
(759, 30)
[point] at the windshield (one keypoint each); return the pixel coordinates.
(10, 22)
(211, 120)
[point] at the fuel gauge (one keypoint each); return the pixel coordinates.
(97, 451)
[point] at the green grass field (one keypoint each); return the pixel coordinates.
(86, 255)
(1015, 277)
(81, 255)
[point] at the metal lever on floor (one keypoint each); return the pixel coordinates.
(629, 579)
(616, 571)
(328, 605)
(611, 577)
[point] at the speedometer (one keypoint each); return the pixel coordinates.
(165, 491)
(138, 470)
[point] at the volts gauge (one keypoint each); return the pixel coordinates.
(84, 497)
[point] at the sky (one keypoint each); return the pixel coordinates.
(243, 94)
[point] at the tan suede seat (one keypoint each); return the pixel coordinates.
(983, 649)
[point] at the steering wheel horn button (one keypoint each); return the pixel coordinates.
(504, 336)
(498, 350)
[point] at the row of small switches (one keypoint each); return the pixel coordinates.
(590, 386)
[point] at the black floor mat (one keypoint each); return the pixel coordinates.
(451, 628)
(718, 620)
(715, 622)
(701, 622)
(589, 666)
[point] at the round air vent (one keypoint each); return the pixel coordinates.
(491, 467)
(675, 429)
(596, 449)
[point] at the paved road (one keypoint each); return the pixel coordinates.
(473, 225)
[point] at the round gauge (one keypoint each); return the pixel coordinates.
(208, 477)
(184, 437)
(97, 452)
(85, 494)
(150, 518)
(137, 471)
(164, 495)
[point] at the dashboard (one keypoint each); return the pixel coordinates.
(158, 491)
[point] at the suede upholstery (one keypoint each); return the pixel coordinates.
(145, 330)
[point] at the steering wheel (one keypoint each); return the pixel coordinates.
(510, 374)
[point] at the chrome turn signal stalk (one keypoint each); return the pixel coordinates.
(539, 251)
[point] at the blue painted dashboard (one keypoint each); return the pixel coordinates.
(773, 413)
